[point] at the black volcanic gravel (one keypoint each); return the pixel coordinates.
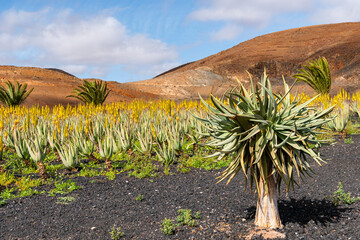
(227, 211)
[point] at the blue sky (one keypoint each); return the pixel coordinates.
(132, 40)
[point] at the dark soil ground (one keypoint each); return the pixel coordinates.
(227, 211)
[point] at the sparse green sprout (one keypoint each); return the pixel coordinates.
(111, 174)
(64, 187)
(66, 200)
(340, 197)
(168, 227)
(116, 233)
(185, 218)
(139, 198)
(348, 140)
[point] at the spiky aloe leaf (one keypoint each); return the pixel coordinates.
(94, 92)
(14, 94)
(317, 75)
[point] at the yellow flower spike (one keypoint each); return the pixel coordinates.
(66, 130)
(16, 122)
(106, 123)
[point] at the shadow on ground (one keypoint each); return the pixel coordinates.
(302, 211)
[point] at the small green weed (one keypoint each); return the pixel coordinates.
(167, 170)
(65, 200)
(139, 198)
(208, 164)
(185, 218)
(6, 179)
(7, 194)
(116, 233)
(25, 183)
(89, 172)
(54, 168)
(168, 227)
(29, 192)
(340, 197)
(183, 169)
(111, 175)
(348, 140)
(64, 187)
(141, 170)
(197, 215)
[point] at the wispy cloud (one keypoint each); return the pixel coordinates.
(228, 32)
(78, 44)
(236, 15)
(256, 12)
(333, 11)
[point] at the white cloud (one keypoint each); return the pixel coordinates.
(228, 32)
(79, 44)
(100, 72)
(158, 69)
(74, 69)
(255, 12)
(240, 14)
(333, 11)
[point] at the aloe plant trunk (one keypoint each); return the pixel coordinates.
(58, 159)
(108, 165)
(267, 213)
(92, 158)
(27, 162)
(42, 170)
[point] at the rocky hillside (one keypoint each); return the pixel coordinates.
(281, 53)
(51, 86)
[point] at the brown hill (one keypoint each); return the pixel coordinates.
(51, 86)
(281, 53)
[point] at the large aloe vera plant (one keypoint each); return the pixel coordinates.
(269, 136)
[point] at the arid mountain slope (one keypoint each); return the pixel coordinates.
(51, 86)
(281, 53)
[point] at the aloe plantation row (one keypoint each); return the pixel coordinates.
(98, 133)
